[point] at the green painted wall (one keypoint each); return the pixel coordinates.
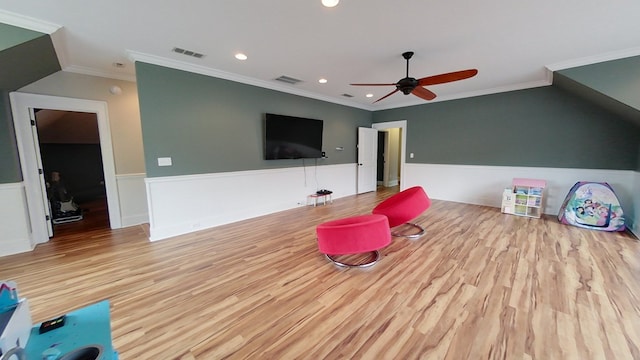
(598, 98)
(11, 36)
(9, 160)
(25, 63)
(619, 79)
(25, 56)
(210, 125)
(541, 127)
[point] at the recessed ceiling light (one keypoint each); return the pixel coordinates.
(241, 56)
(322, 81)
(369, 95)
(330, 3)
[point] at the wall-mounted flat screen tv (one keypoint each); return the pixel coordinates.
(290, 137)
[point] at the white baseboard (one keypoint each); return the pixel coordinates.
(483, 185)
(391, 183)
(15, 236)
(183, 204)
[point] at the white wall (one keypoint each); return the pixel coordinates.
(14, 215)
(133, 199)
(183, 204)
(483, 185)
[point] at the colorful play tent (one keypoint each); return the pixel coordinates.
(592, 205)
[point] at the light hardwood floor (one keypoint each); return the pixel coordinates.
(478, 285)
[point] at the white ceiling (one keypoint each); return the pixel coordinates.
(511, 43)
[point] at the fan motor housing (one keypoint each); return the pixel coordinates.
(407, 85)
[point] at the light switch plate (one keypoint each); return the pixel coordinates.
(164, 161)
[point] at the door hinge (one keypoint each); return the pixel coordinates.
(47, 217)
(33, 123)
(40, 171)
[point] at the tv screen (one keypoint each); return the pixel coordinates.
(290, 137)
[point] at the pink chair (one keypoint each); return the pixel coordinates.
(354, 235)
(403, 207)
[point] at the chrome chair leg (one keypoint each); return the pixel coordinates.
(410, 236)
(370, 263)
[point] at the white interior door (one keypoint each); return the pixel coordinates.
(367, 156)
(43, 182)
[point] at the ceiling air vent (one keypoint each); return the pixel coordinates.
(347, 95)
(288, 80)
(187, 52)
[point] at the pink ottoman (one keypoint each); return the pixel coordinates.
(404, 207)
(354, 235)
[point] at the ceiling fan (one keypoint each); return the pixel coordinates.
(409, 85)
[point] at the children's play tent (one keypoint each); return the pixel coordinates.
(592, 205)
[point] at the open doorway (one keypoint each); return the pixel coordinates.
(394, 153)
(69, 143)
(389, 145)
(23, 108)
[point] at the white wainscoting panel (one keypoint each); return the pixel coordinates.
(635, 226)
(133, 199)
(183, 204)
(15, 236)
(483, 185)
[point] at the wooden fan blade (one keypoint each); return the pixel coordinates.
(423, 93)
(386, 96)
(448, 77)
(373, 84)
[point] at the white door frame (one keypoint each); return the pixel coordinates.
(43, 180)
(402, 124)
(20, 104)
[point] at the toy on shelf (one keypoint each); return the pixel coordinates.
(524, 197)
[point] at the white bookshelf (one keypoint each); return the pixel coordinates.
(525, 197)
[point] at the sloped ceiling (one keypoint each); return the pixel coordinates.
(614, 85)
(67, 127)
(510, 43)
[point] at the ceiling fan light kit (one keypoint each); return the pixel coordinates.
(409, 85)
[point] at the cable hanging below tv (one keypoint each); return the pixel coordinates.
(290, 137)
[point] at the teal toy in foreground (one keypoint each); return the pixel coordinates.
(86, 333)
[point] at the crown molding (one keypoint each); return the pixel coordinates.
(180, 65)
(589, 60)
(95, 72)
(202, 70)
(29, 23)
